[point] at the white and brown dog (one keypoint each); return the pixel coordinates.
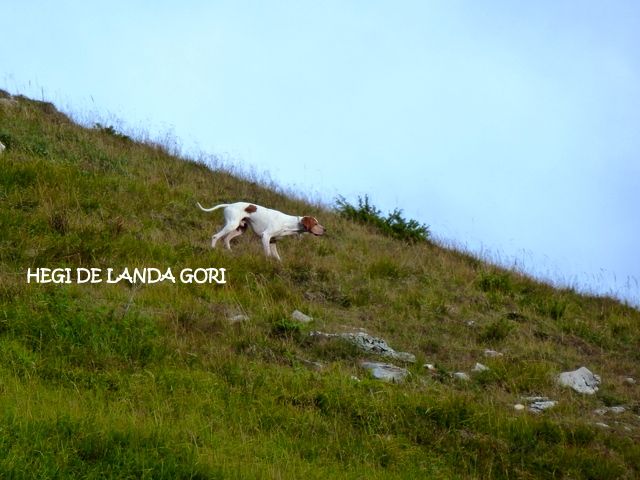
(268, 224)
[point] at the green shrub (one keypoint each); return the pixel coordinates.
(110, 130)
(495, 282)
(286, 328)
(394, 225)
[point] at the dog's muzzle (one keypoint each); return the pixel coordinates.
(317, 230)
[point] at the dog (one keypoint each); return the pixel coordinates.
(268, 224)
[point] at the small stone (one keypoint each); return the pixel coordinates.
(369, 344)
(617, 409)
(536, 399)
(518, 407)
(602, 425)
(478, 367)
(385, 371)
(461, 376)
(377, 345)
(580, 380)
(538, 407)
(471, 323)
(601, 411)
(429, 366)
(630, 381)
(2, 147)
(301, 317)
(492, 353)
(238, 318)
(405, 357)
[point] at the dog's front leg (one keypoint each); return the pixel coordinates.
(274, 250)
(266, 240)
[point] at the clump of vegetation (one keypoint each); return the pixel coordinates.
(286, 328)
(393, 225)
(496, 331)
(495, 282)
(110, 130)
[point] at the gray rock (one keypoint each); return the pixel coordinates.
(535, 399)
(386, 371)
(2, 147)
(478, 367)
(630, 381)
(429, 366)
(492, 353)
(602, 425)
(238, 318)
(581, 380)
(518, 407)
(369, 344)
(538, 407)
(461, 376)
(617, 409)
(404, 356)
(538, 404)
(301, 317)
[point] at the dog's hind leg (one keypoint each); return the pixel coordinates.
(235, 233)
(226, 230)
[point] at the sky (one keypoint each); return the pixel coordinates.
(510, 128)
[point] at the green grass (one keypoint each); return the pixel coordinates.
(154, 381)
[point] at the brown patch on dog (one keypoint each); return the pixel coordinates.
(312, 225)
(308, 223)
(251, 208)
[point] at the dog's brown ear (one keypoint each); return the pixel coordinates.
(312, 225)
(308, 223)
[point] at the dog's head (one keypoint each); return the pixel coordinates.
(311, 225)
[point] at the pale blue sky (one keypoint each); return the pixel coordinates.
(512, 128)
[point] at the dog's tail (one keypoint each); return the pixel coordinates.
(222, 205)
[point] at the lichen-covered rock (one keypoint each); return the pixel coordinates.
(492, 353)
(540, 406)
(478, 367)
(301, 317)
(580, 380)
(369, 344)
(238, 318)
(386, 371)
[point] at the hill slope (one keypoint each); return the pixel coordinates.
(157, 381)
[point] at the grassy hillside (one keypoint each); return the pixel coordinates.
(130, 380)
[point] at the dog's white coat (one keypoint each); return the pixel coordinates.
(268, 224)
